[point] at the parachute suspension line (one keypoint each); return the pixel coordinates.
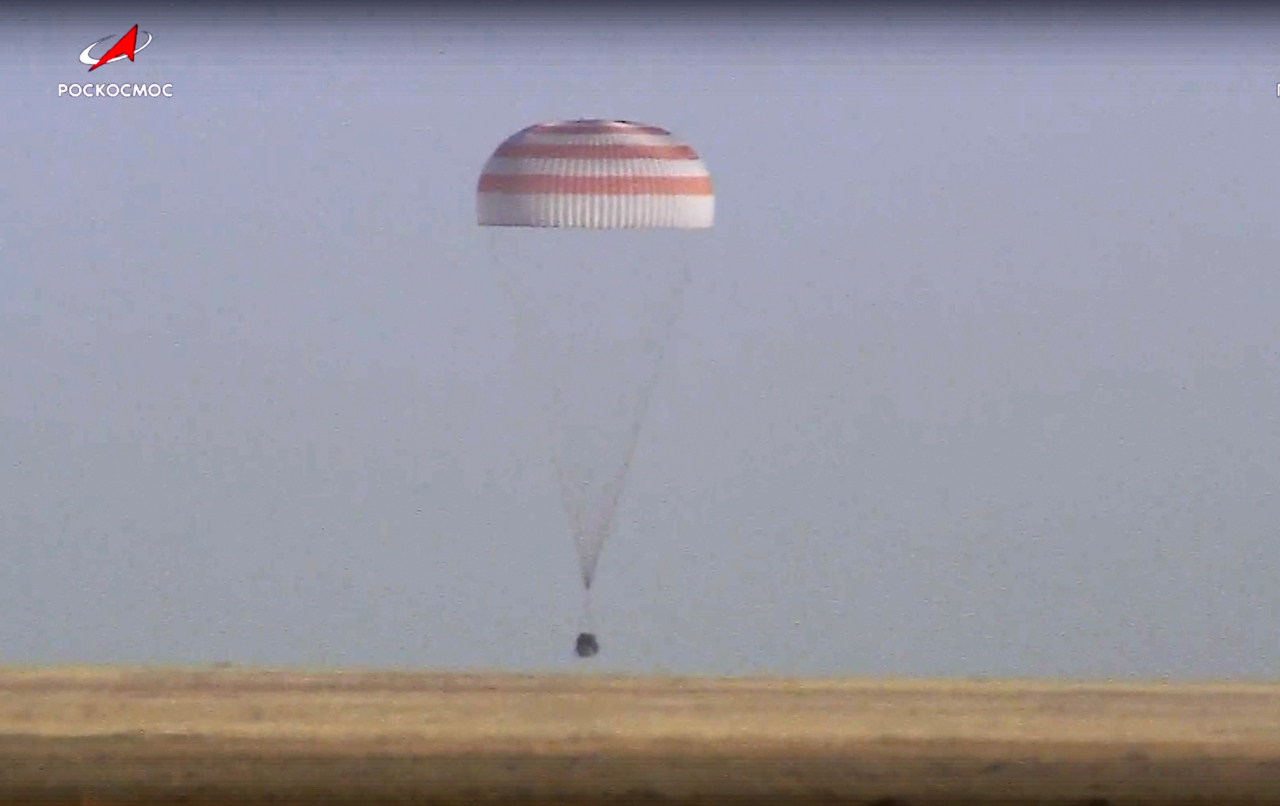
(588, 534)
(596, 536)
(675, 305)
(555, 424)
(588, 615)
(578, 525)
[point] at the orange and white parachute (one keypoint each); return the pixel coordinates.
(598, 174)
(594, 310)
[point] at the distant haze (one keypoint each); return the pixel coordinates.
(979, 375)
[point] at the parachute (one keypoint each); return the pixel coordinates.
(587, 223)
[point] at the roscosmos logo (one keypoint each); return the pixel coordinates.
(98, 54)
(126, 48)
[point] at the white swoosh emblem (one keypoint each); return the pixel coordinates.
(85, 58)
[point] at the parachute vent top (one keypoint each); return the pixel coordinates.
(587, 645)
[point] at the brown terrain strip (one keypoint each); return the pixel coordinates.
(230, 737)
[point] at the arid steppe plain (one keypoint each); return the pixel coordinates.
(229, 736)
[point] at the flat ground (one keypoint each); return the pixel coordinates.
(225, 736)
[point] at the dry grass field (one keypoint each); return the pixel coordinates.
(225, 736)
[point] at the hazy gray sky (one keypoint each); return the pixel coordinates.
(977, 373)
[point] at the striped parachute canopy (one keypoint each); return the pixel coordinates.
(597, 174)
